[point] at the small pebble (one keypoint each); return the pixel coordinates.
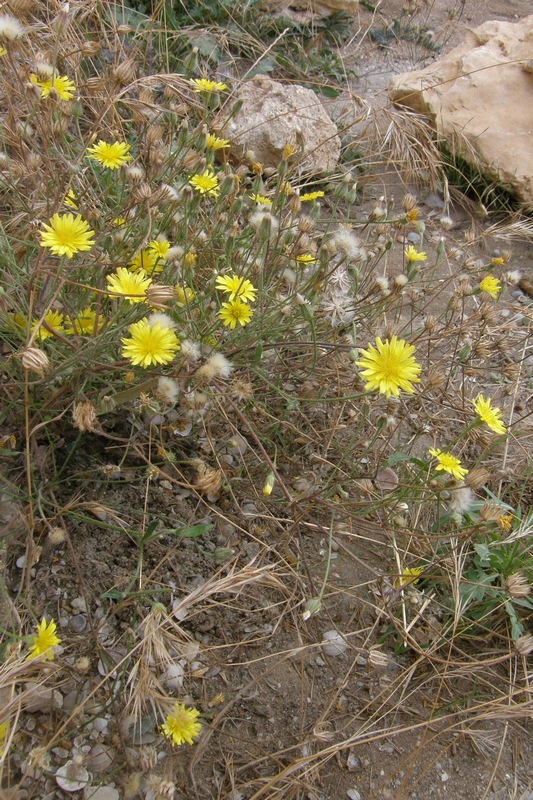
(413, 237)
(78, 623)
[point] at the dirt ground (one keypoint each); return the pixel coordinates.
(269, 693)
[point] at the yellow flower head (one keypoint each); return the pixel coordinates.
(410, 575)
(86, 323)
(412, 255)
(160, 247)
(389, 367)
(235, 312)
(204, 85)
(491, 285)
(236, 287)
(67, 235)
(150, 344)
(184, 295)
(63, 86)
(214, 143)
(146, 260)
(52, 320)
(206, 183)
(449, 463)
(71, 199)
(259, 198)
(3, 51)
(309, 196)
(44, 641)
(129, 285)
(305, 258)
(3, 725)
(190, 259)
(111, 156)
(489, 414)
(181, 726)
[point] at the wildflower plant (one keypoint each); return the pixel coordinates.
(185, 336)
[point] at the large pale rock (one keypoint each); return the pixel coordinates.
(480, 98)
(308, 9)
(274, 115)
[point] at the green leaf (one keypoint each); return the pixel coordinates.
(266, 64)
(113, 594)
(483, 551)
(517, 629)
(193, 531)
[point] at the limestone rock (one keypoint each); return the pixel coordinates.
(274, 115)
(479, 97)
(307, 10)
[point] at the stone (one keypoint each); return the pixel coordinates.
(308, 10)
(478, 97)
(101, 793)
(274, 115)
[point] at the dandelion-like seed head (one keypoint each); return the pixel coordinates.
(131, 286)
(44, 641)
(449, 463)
(181, 726)
(111, 156)
(150, 344)
(10, 28)
(389, 367)
(66, 235)
(489, 414)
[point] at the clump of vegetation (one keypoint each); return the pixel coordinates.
(217, 379)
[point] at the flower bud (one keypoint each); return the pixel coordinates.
(35, 360)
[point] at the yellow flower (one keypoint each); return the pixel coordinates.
(449, 463)
(181, 726)
(269, 484)
(505, 522)
(389, 367)
(111, 156)
(3, 51)
(489, 414)
(412, 255)
(190, 259)
(259, 198)
(160, 247)
(71, 199)
(86, 322)
(3, 725)
(44, 641)
(67, 235)
(146, 260)
(412, 215)
(206, 183)
(491, 285)
(409, 575)
(235, 312)
(204, 85)
(305, 258)
(236, 287)
(498, 262)
(63, 86)
(54, 320)
(309, 196)
(150, 344)
(184, 295)
(287, 189)
(129, 285)
(214, 143)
